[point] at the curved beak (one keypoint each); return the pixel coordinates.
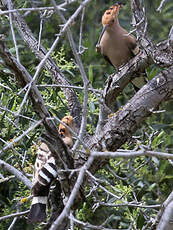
(101, 35)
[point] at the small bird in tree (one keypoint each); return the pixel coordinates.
(65, 132)
(45, 171)
(116, 44)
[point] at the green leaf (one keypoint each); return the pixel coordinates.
(90, 73)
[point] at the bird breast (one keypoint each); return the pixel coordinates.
(113, 46)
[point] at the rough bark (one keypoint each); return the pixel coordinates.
(50, 65)
(120, 127)
(166, 222)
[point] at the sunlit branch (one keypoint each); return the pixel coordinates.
(132, 154)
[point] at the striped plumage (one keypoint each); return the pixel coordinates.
(45, 171)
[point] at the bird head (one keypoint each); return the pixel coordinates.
(63, 131)
(108, 19)
(110, 14)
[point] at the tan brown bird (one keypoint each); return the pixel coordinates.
(116, 44)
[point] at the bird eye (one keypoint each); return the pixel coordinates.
(62, 130)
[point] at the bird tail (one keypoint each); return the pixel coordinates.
(38, 209)
(40, 191)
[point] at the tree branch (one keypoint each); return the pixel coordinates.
(14, 215)
(49, 64)
(16, 172)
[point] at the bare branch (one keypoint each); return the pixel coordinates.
(14, 215)
(128, 204)
(12, 31)
(60, 7)
(163, 2)
(81, 48)
(88, 225)
(62, 31)
(163, 208)
(131, 154)
(74, 192)
(49, 64)
(6, 179)
(170, 37)
(82, 71)
(20, 176)
(167, 218)
(98, 91)
(20, 137)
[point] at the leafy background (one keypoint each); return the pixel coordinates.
(142, 179)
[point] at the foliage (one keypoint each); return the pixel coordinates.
(143, 179)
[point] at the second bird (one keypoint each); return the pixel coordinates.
(116, 45)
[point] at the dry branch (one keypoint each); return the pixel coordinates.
(52, 139)
(50, 65)
(16, 172)
(119, 128)
(18, 214)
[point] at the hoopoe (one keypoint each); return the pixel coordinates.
(116, 44)
(45, 171)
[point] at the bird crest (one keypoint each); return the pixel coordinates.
(110, 14)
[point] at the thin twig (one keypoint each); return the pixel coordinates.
(9, 145)
(40, 32)
(12, 223)
(24, 100)
(99, 91)
(163, 2)
(60, 7)
(62, 31)
(74, 192)
(132, 154)
(82, 71)
(81, 48)
(14, 215)
(14, 114)
(12, 31)
(16, 172)
(135, 205)
(88, 225)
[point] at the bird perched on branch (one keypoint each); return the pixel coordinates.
(45, 171)
(116, 44)
(65, 132)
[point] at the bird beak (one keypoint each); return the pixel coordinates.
(103, 30)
